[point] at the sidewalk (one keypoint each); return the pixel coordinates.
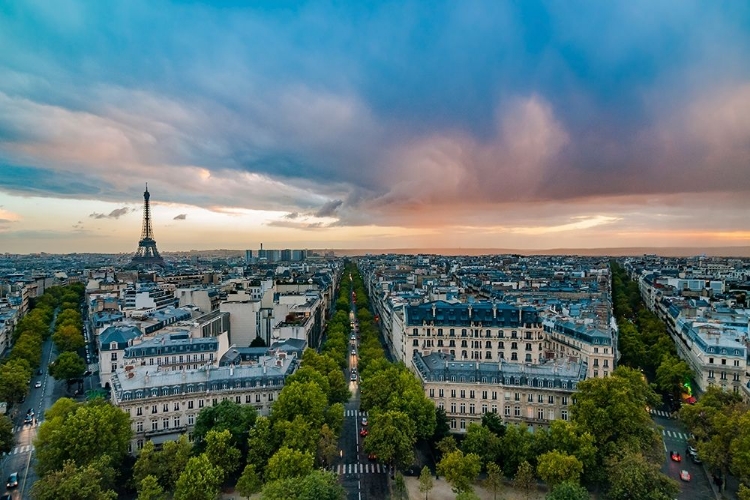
(442, 491)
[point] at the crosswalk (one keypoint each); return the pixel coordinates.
(20, 449)
(361, 469)
(660, 413)
(356, 413)
(675, 435)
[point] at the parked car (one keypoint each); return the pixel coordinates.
(364, 421)
(12, 480)
(363, 432)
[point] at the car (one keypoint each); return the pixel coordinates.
(28, 420)
(12, 480)
(684, 475)
(364, 421)
(38, 384)
(675, 456)
(696, 459)
(372, 456)
(363, 432)
(354, 352)
(39, 371)
(353, 377)
(692, 451)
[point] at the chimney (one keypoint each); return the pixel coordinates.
(231, 369)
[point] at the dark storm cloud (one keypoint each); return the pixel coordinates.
(411, 108)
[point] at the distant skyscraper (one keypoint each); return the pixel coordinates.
(248, 256)
(147, 254)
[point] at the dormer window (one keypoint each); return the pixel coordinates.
(113, 346)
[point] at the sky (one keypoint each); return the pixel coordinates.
(498, 124)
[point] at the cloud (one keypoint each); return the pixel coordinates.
(291, 215)
(329, 209)
(180, 217)
(297, 225)
(114, 214)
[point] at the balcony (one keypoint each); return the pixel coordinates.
(171, 430)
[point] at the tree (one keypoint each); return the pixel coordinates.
(328, 448)
(392, 437)
(221, 452)
(67, 366)
(305, 399)
(447, 445)
(258, 342)
(524, 479)
(555, 467)
(261, 444)
(14, 380)
(442, 426)
(68, 338)
(425, 481)
(494, 481)
(516, 447)
(632, 476)
(672, 374)
(82, 435)
(7, 437)
(317, 485)
(288, 463)
(460, 470)
(481, 441)
(297, 434)
(467, 495)
(399, 487)
(72, 483)
(249, 482)
(150, 489)
(199, 481)
(740, 450)
(568, 491)
(227, 415)
(493, 422)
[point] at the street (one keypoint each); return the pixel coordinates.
(676, 439)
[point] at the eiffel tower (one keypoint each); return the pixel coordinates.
(147, 254)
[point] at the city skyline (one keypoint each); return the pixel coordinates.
(421, 125)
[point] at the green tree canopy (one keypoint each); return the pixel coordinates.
(568, 491)
(150, 489)
(249, 482)
(14, 380)
(306, 399)
(524, 479)
(166, 465)
(287, 463)
(633, 476)
(67, 366)
(82, 435)
(72, 483)
(317, 485)
(425, 481)
(262, 442)
(7, 437)
(221, 452)
(671, 374)
(392, 437)
(555, 467)
(460, 470)
(482, 442)
(199, 481)
(68, 338)
(227, 415)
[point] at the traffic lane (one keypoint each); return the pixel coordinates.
(20, 459)
(698, 487)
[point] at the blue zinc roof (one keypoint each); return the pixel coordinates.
(489, 314)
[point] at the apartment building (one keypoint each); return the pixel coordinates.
(534, 394)
(164, 404)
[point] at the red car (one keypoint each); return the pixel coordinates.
(675, 456)
(363, 432)
(372, 456)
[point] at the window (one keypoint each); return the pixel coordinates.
(494, 394)
(139, 426)
(564, 414)
(514, 356)
(528, 358)
(463, 424)
(710, 374)
(550, 414)
(484, 408)
(551, 400)
(440, 393)
(517, 396)
(471, 394)
(463, 394)
(153, 409)
(540, 413)
(711, 360)
(453, 393)
(484, 394)
(139, 411)
(530, 399)
(471, 408)
(114, 356)
(517, 411)
(463, 407)
(606, 363)
(154, 425)
(165, 407)
(565, 400)
(165, 423)
(177, 406)
(191, 419)
(270, 396)
(176, 421)
(200, 403)
(432, 393)
(501, 345)
(415, 343)
(453, 407)
(114, 367)
(507, 410)
(514, 345)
